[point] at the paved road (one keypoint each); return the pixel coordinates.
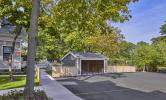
(129, 86)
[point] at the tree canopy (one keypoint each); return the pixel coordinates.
(85, 25)
(75, 25)
(163, 29)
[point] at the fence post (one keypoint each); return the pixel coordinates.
(38, 76)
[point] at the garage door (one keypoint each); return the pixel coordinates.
(92, 66)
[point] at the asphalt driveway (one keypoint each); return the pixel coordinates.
(126, 86)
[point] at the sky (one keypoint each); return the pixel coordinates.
(147, 18)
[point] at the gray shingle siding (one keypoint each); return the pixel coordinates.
(68, 61)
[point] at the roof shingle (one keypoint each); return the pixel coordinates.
(88, 55)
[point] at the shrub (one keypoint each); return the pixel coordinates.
(19, 95)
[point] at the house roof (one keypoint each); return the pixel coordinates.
(6, 27)
(86, 55)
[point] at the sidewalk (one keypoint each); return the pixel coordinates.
(54, 89)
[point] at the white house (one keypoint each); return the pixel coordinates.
(6, 39)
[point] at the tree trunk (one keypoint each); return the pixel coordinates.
(11, 60)
(29, 89)
(10, 68)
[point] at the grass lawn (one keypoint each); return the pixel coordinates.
(19, 81)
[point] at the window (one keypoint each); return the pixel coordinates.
(6, 52)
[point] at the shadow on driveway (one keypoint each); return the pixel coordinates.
(107, 90)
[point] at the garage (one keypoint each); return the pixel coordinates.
(84, 63)
(92, 67)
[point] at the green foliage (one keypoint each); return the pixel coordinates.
(163, 29)
(158, 39)
(17, 12)
(24, 53)
(159, 43)
(144, 55)
(105, 43)
(160, 57)
(20, 95)
(75, 25)
(49, 46)
(124, 53)
(71, 22)
(153, 55)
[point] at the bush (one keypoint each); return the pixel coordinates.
(19, 95)
(49, 71)
(24, 69)
(161, 69)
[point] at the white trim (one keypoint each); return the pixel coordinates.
(105, 65)
(93, 59)
(68, 54)
(77, 66)
(2, 53)
(80, 66)
(84, 58)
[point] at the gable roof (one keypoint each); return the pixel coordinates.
(86, 55)
(6, 27)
